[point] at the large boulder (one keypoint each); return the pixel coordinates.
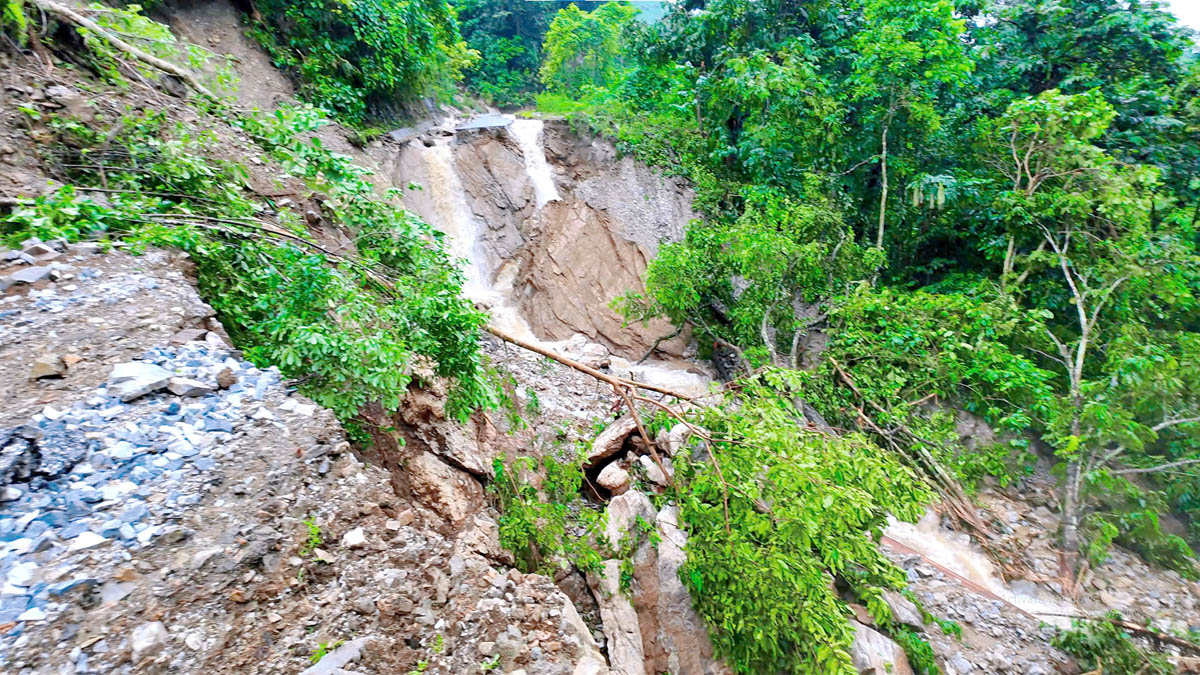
(626, 654)
(681, 636)
(453, 494)
(623, 512)
(610, 441)
(873, 653)
(470, 447)
(673, 637)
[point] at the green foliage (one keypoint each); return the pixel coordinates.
(323, 649)
(548, 524)
(352, 330)
(1102, 645)
(789, 509)
(1024, 202)
(12, 17)
(314, 539)
(132, 26)
(362, 59)
(584, 49)
(508, 37)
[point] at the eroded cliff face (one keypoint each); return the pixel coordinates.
(554, 223)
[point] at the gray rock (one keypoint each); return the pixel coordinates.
(333, 662)
(134, 379)
(903, 610)
(623, 512)
(873, 652)
(84, 248)
(614, 478)
(47, 366)
(610, 441)
(355, 538)
(29, 275)
(364, 605)
(653, 473)
(22, 574)
(622, 630)
(183, 386)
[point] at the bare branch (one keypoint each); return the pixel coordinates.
(1170, 423)
(1160, 467)
(69, 15)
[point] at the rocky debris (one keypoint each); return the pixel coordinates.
(614, 479)
(147, 640)
(166, 532)
(135, 379)
(70, 99)
(188, 388)
(48, 365)
(106, 471)
(610, 441)
(679, 637)
(92, 312)
(874, 654)
(591, 354)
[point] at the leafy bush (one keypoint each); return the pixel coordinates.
(362, 58)
(777, 513)
(549, 526)
(1104, 646)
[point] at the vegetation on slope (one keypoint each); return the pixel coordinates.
(366, 59)
(986, 206)
(975, 223)
(354, 328)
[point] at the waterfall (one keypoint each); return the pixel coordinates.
(456, 220)
(454, 216)
(529, 137)
(492, 289)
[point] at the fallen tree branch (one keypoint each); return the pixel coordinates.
(571, 363)
(1161, 467)
(70, 15)
(952, 492)
(1141, 631)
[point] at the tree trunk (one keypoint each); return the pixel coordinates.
(1070, 522)
(1008, 263)
(883, 167)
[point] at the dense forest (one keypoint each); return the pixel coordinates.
(987, 205)
(911, 211)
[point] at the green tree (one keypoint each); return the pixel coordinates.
(508, 36)
(584, 49)
(1103, 266)
(906, 51)
(367, 58)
